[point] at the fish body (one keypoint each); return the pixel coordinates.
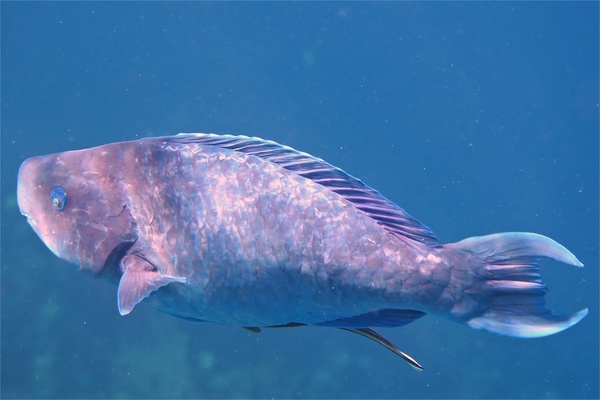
(238, 230)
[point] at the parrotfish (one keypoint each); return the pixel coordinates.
(244, 231)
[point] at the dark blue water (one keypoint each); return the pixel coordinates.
(475, 117)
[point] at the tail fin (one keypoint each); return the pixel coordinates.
(514, 289)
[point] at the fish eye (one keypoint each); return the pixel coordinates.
(58, 197)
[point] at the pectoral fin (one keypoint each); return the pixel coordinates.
(139, 279)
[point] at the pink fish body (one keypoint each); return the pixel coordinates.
(238, 230)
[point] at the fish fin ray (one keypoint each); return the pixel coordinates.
(387, 318)
(289, 325)
(386, 213)
(376, 337)
(138, 281)
(512, 293)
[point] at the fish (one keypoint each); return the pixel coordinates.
(244, 231)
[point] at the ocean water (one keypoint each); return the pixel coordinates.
(475, 117)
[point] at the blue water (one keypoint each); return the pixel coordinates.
(475, 117)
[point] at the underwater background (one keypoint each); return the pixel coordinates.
(475, 117)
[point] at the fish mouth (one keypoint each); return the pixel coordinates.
(30, 219)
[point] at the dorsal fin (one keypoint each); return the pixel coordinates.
(368, 200)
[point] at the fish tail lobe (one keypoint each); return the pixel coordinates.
(510, 293)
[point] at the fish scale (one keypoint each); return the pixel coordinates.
(239, 230)
(310, 206)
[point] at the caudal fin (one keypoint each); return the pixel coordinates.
(513, 291)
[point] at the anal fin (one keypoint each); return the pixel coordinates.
(256, 329)
(385, 318)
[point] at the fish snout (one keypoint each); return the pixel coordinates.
(24, 195)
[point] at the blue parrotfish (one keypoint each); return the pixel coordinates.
(244, 231)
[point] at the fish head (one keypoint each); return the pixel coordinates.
(73, 202)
